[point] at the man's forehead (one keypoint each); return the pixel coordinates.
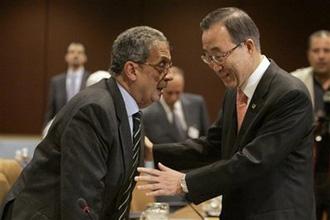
(74, 47)
(160, 48)
(215, 38)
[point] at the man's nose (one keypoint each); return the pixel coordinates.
(216, 67)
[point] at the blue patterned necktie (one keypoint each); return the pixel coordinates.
(123, 208)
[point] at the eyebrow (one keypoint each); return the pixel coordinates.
(213, 49)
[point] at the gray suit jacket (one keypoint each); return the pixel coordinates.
(264, 171)
(57, 96)
(159, 130)
(86, 154)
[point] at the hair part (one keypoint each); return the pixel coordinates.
(239, 24)
(134, 45)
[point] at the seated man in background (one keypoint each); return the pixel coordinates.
(317, 80)
(174, 118)
(177, 115)
(93, 147)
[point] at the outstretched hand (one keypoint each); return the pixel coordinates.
(162, 182)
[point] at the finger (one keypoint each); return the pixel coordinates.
(159, 192)
(163, 167)
(149, 187)
(149, 171)
(146, 178)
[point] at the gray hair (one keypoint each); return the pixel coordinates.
(238, 23)
(134, 45)
(317, 34)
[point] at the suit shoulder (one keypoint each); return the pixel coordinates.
(285, 83)
(302, 72)
(152, 110)
(193, 97)
(58, 77)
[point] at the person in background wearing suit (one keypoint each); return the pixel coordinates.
(260, 150)
(177, 116)
(91, 152)
(174, 118)
(66, 85)
(317, 80)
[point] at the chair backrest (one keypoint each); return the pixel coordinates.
(9, 171)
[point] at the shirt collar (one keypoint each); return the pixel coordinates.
(79, 71)
(130, 103)
(251, 84)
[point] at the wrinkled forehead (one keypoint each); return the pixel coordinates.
(160, 50)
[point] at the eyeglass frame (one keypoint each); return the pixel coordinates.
(211, 59)
(160, 70)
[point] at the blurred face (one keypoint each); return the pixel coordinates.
(234, 66)
(174, 89)
(75, 56)
(152, 76)
(319, 55)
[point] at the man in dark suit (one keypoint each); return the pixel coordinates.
(92, 149)
(66, 85)
(177, 115)
(260, 150)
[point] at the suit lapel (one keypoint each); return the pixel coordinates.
(63, 98)
(123, 125)
(255, 105)
(229, 123)
(83, 80)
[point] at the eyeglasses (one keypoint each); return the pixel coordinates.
(162, 67)
(219, 58)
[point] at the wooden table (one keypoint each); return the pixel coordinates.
(187, 213)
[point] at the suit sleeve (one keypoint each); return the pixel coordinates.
(193, 152)
(204, 117)
(50, 112)
(286, 127)
(84, 161)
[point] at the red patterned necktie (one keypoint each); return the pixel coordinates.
(241, 107)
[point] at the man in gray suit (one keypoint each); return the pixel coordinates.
(66, 85)
(259, 152)
(177, 115)
(90, 154)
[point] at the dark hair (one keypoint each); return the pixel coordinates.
(320, 33)
(238, 23)
(133, 45)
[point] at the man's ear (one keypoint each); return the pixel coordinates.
(250, 45)
(130, 70)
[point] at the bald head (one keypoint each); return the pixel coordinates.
(175, 87)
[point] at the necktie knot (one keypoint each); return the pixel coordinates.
(137, 115)
(241, 97)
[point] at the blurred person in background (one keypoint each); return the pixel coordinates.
(317, 79)
(66, 85)
(176, 117)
